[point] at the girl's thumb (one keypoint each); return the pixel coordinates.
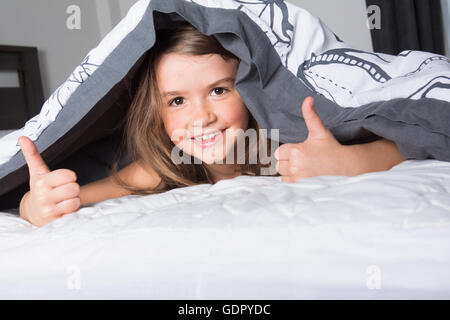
(36, 164)
(316, 128)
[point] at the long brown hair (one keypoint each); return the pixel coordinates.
(145, 137)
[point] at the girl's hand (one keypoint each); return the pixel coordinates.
(52, 193)
(320, 154)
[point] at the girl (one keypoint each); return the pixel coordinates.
(185, 101)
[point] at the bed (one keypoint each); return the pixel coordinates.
(5, 132)
(380, 235)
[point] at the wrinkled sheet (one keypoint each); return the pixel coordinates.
(380, 235)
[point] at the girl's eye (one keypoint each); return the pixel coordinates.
(219, 91)
(173, 100)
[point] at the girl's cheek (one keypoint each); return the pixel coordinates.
(175, 130)
(168, 127)
(239, 115)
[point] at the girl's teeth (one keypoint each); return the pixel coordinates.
(207, 137)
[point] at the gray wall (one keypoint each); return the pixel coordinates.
(42, 23)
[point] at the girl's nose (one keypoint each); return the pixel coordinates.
(203, 114)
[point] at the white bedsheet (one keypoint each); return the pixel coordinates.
(5, 132)
(380, 235)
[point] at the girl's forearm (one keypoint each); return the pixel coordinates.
(379, 155)
(101, 190)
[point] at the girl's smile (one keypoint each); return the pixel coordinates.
(208, 140)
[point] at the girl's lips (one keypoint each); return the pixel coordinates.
(210, 142)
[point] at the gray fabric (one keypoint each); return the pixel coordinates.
(271, 92)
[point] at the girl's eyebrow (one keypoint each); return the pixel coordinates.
(174, 93)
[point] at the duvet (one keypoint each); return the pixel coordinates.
(380, 235)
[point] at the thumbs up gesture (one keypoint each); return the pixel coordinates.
(52, 193)
(320, 154)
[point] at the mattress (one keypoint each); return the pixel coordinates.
(5, 132)
(379, 235)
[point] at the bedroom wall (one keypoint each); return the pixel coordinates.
(42, 23)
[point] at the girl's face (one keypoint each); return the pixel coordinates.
(200, 98)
